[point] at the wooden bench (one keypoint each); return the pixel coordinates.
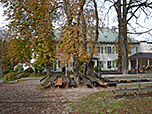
(132, 90)
(59, 82)
(96, 81)
(131, 82)
(71, 76)
(101, 83)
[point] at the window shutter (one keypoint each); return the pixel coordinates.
(106, 50)
(113, 63)
(136, 49)
(101, 50)
(113, 50)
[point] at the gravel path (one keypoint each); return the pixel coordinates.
(28, 97)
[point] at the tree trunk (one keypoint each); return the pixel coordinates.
(48, 70)
(122, 41)
(90, 67)
(85, 43)
(76, 71)
(125, 41)
(96, 37)
(1, 73)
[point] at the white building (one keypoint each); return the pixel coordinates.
(107, 53)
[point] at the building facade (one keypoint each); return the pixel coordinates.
(107, 53)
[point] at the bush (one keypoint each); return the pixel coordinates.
(7, 70)
(109, 66)
(95, 69)
(19, 69)
(29, 70)
(11, 76)
(148, 68)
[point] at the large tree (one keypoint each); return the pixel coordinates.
(78, 30)
(32, 30)
(4, 44)
(127, 11)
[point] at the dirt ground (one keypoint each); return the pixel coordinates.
(28, 97)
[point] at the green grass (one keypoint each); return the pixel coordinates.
(4, 81)
(107, 103)
(24, 75)
(2, 77)
(37, 75)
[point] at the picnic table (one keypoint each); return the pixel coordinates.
(130, 82)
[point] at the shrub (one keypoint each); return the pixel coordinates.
(29, 70)
(148, 68)
(11, 76)
(19, 69)
(7, 70)
(95, 69)
(109, 66)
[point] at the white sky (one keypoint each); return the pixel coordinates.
(111, 23)
(2, 18)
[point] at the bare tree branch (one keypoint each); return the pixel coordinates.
(140, 32)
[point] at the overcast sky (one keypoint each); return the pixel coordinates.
(111, 22)
(2, 19)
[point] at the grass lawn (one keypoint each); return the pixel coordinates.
(2, 77)
(37, 75)
(110, 103)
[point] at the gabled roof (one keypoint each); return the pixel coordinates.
(107, 35)
(141, 55)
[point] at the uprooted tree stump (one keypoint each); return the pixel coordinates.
(60, 80)
(92, 79)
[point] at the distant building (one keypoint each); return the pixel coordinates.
(107, 52)
(142, 59)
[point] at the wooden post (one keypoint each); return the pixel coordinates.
(98, 66)
(129, 64)
(137, 65)
(148, 62)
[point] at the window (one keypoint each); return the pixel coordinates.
(113, 64)
(116, 49)
(136, 49)
(106, 50)
(108, 64)
(117, 65)
(101, 64)
(109, 49)
(58, 63)
(54, 67)
(98, 49)
(101, 50)
(113, 50)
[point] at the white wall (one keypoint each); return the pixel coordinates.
(145, 46)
